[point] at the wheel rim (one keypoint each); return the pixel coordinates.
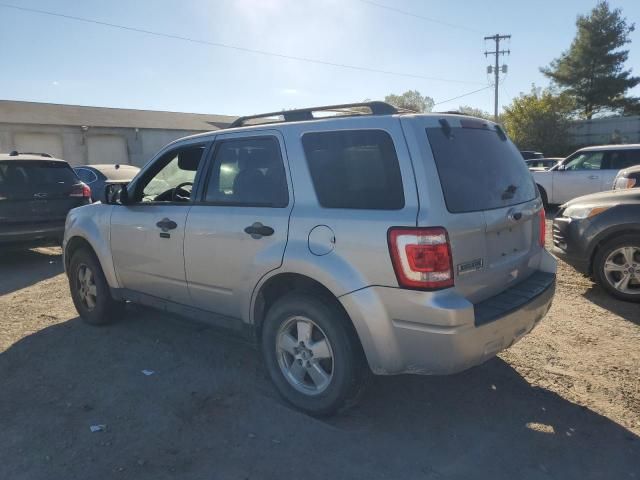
(86, 287)
(305, 355)
(622, 270)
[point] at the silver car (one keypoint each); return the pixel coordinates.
(346, 240)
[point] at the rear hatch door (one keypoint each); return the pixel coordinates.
(36, 191)
(485, 198)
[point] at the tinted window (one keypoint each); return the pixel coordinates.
(354, 169)
(619, 159)
(248, 172)
(479, 170)
(16, 174)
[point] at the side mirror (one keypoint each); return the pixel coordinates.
(116, 194)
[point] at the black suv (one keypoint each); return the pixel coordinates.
(36, 192)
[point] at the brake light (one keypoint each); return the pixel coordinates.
(421, 257)
(82, 190)
(542, 230)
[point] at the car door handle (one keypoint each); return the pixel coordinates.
(593, 177)
(165, 224)
(258, 230)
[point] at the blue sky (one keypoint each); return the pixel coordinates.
(58, 60)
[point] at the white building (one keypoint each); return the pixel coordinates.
(90, 135)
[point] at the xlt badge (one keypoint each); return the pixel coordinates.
(471, 266)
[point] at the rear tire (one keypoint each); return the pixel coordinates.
(90, 291)
(616, 267)
(313, 355)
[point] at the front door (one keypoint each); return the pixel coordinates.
(237, 231)
(147, 234)
(581, 175)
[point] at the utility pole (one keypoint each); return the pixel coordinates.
(496, 69)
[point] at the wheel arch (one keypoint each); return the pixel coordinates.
(280, 284)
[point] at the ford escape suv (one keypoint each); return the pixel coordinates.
(368, 241)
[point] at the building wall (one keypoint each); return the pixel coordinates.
(79, 147)
(602, 131)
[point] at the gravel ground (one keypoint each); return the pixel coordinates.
(563, 403)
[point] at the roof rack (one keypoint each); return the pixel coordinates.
(15, 153)
(304, 114)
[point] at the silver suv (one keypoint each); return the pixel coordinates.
(367, 241)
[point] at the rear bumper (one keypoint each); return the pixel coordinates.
(435, 333)
(29, 235)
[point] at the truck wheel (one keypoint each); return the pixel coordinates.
(617, 267)
(90, 291)
(312, 355)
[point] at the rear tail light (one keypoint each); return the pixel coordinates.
(542, 230)
(421, 257)
(82, 190)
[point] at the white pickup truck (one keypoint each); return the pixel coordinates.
(589, 170)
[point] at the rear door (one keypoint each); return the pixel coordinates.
(474, 183)
(37, 191)
(237, 231)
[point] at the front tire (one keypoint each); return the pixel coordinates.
(90, 291)
(617, 267)
(312, 354)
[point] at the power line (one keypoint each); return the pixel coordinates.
(463, 95)
(233, 47)
(422, 17)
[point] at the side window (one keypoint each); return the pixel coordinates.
(354, 169)
(623, 159)
(172, 176)
(85, 175)
(586, 161)
(248, 172)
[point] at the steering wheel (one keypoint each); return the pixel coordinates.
(187, 193)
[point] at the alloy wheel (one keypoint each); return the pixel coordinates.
(86, 286)
(622, 269)
(304, 355)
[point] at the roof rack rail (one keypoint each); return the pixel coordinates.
(15, 153)
(42, 154)
(303, 114)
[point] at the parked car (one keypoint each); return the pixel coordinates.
(36, 192)
(588, 170)
(344, 245)
(542, 164)
(599, 235)
(627, 178)
(97, 176)
(529, 154)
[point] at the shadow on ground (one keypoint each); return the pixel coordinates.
(209, 412)
(628, 310)
(22, 268)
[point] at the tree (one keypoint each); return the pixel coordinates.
(539, 121)
(411, 100)
(592, 70)
(475, 112)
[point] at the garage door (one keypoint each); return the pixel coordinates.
(107, 149)
(39, 143)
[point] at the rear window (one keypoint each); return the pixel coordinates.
(479, 170)
(354, 169)
(16, 174)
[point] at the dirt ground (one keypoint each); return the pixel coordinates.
(563, 403)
